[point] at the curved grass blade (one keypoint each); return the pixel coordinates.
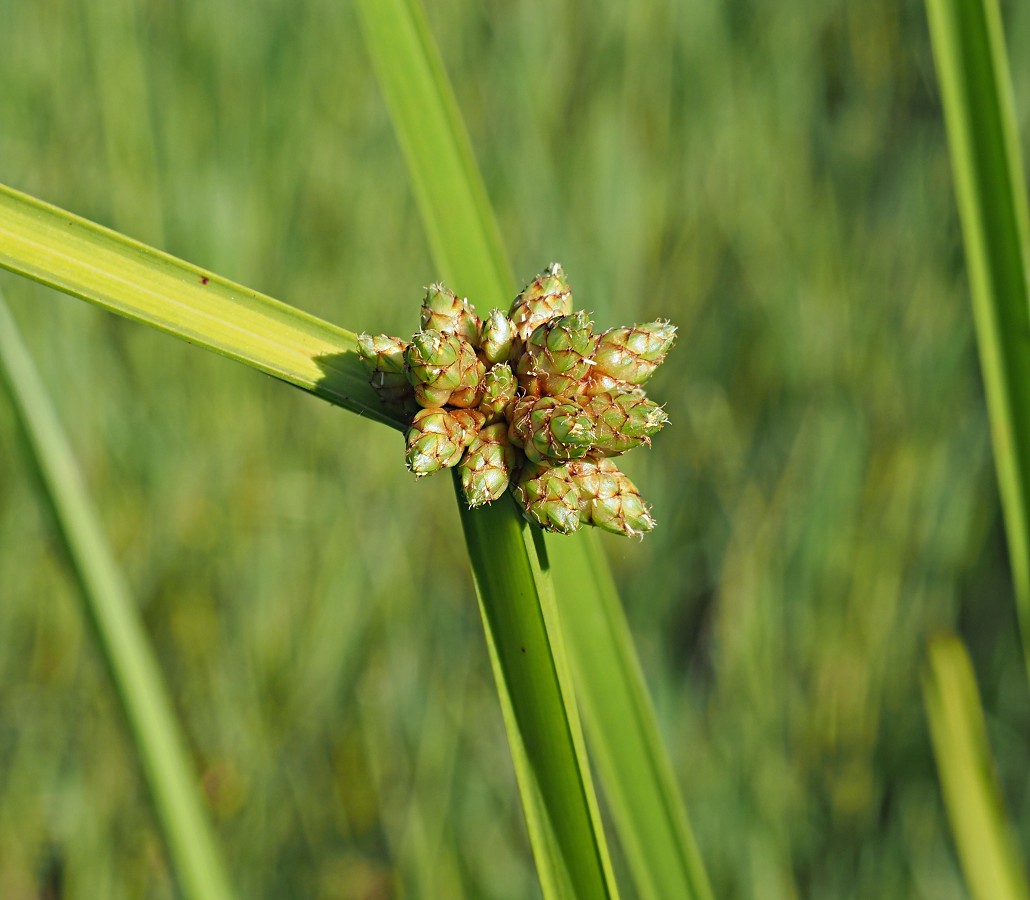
(120, 636)
(969, 52)
(81, 258)
(982, 834)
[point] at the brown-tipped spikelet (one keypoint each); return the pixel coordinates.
(608, 499)
(443, 310)
(498, 338)
(549, 497)
(533, 402)
(438, 438)
(623, 421)
(556, 430)
(487, 466)
(546, 296)
(443, 369)
(557, 356)
(632, 354)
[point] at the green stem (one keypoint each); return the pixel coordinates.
(524, 638)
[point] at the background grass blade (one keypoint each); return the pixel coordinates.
(645, 799)
(972, 69)
(639, 782)
(120, 636)
(456, 213)
(982, 835)
(81, 258)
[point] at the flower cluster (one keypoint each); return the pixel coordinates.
(533, 400)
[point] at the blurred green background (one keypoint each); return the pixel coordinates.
(774, 178)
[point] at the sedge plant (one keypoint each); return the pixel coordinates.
(516, 570)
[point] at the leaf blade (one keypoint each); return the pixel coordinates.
(636, 772)
(518, 609)
(86, 260)
(972, 798)
(117, 629)
(456, 214)
(973, 74)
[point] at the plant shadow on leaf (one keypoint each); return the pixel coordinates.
(541, 547)
(337, 384)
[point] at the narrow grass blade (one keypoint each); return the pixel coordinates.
(80, 258)
(119, 632)
(638, 778)
(982, 835)
(969, 51)
(452, 200)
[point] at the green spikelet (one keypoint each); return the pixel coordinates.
(499, 386)
(632, 354)
(444, 311)
(473, 372)
(549, 497)
(382, 352)
(439, 365)
(557, 355)
(597, 382)
(550, 428)
(518, 420)
(432, 360)
(487, 466)
(438, 438)
(383, 356)
(498, 337)
(624, 421)
(608, 499)
(546, 296)
(533, 402)
(557, 430)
